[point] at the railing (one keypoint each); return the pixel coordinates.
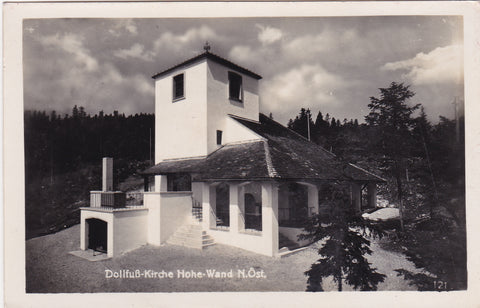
(197, 209)
(115, 199)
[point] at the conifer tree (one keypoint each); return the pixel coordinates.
(392, 115)
(346, 244)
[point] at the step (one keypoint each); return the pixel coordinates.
(188, 234)
(191, 235)
(190, 238)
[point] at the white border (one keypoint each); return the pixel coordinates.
(14, 168)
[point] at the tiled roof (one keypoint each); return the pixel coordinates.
(213, 57)
(176, 166)
(282, 154)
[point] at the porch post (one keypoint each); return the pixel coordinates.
(110, 247)
(270, 217)
(356, 195)
(234, 208)
(312, 200)
(241, 208)
(208, 206)
(372, 194)
(160, 183)
(83, 232)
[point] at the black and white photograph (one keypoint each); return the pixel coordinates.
(310, 152)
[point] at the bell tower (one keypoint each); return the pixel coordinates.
(194, 101)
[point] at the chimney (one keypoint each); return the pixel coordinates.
(107, 174)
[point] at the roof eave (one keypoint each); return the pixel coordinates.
(213, 57)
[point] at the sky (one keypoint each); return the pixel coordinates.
(328, 64)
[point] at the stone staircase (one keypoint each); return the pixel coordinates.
(191, 235)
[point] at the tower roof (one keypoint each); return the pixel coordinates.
(210, 56)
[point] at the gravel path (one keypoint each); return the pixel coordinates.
(51, 269)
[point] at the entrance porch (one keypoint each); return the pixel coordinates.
(262, 216)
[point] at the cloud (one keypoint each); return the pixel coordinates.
(306, 85)
(123, 25)
(243, 54)
(328, 42)
(294, 50)
(176, 42)
(72, 76)
(130, 26)
(268, 35)
(73, 45)
(441, 65)
(136, 51)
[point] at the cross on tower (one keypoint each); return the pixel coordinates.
(206, 47)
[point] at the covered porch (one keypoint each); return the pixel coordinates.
(255, 215)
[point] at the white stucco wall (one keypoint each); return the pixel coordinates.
(126, 230)
(260, 243)
(236, 132)
(197, 191)
(151, 200)
(263, 242)
(175, 211)
(181, 126)
(167, 212)
(219, 104)
(188, 127)
(129, 230)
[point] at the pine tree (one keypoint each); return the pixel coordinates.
(302, 123)
(333, 124)
(75, 112)
(393, 117)
(346, 244)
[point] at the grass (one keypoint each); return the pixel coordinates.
(51, 269)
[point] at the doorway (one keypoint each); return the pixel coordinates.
(97, 235)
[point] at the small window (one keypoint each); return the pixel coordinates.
(219, 137)
(235, 86)
(178, 87)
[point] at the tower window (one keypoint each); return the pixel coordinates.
(235, 89)
(219, 137)
(178, 87)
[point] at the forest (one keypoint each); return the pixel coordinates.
(424, 165)
(422, 161)
(63, 157)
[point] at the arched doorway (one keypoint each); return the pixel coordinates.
(97, 234)
(253, 207)
(292, 204)
(223, 205)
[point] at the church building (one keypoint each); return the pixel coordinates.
(224, 172)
